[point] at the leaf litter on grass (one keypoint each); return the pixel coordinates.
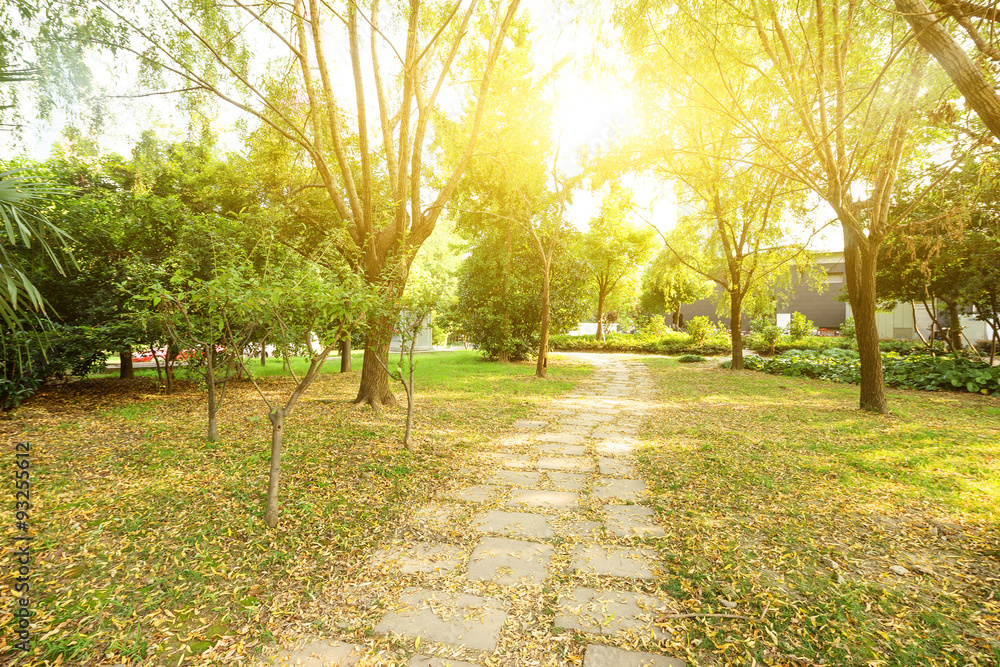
(778, 495)
(150, 548)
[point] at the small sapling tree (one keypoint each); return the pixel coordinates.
(310, 308)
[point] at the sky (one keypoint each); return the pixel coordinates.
(591, 112)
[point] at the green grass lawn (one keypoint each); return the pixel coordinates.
(782, 500)
(150, 540)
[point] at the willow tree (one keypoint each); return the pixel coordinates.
(739, 213)
(362, 118)
(838, 87)
(515, 182)
(974, 75)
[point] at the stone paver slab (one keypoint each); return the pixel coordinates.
(525, 424)
(562, 450)
(450, 618)
(628, 490)
(421, 558)
(613, 561)
(546, 499)
(477, 493)
(516, 478)
(439, 517)
(515, 524)
(508, 562)
(616, 433)
(581, 529)
(614, 448)
(561, 438)
(615, 467)
(596, 416)
(607, 656)
(567, 481)
(320, 654)
(427, 661)
(631, 521)
(564, 463)
(609, 612)
(513, 461)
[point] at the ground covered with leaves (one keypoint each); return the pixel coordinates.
(150, 543)
(834, 536)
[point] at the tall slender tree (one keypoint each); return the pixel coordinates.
(361, 122)
(836, 90)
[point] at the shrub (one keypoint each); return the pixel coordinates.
(692, 358)
(671, 344)
(764, 335)
(847, 329)
(700, 329)
(800, 327)
(654, 327)
(29, 358)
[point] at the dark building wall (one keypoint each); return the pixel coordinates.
(820, 307)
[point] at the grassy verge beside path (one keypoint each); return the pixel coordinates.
(150, 545)
(781, 499)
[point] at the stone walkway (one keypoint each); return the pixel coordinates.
(563, 538)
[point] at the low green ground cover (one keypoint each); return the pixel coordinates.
(786, 509)
(150, 545)
(919, 370)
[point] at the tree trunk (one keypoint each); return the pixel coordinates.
(504, 356)
(213, 428)
(345, 355)
(916, 329)
(543, 339)
(374, 389)
(277, 431)
(125, 370)
(859, 267)
(956, 325)
(962, 70)
(168, 370)
(736, 328)
(263, 353)
(407, 442)
(156, 360)
(600, 314)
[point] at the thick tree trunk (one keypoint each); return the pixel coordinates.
(600, 315)
(859, 267)
(956, 325)
(736, 328)
(277, 431)
(125, 369)
(345, 355)
(374, 389)
(543, 339)
(263, 353)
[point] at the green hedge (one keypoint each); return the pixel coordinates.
(671, 344)
(29, 358)
(919, 370)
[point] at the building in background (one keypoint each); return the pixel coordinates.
(823, 308)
